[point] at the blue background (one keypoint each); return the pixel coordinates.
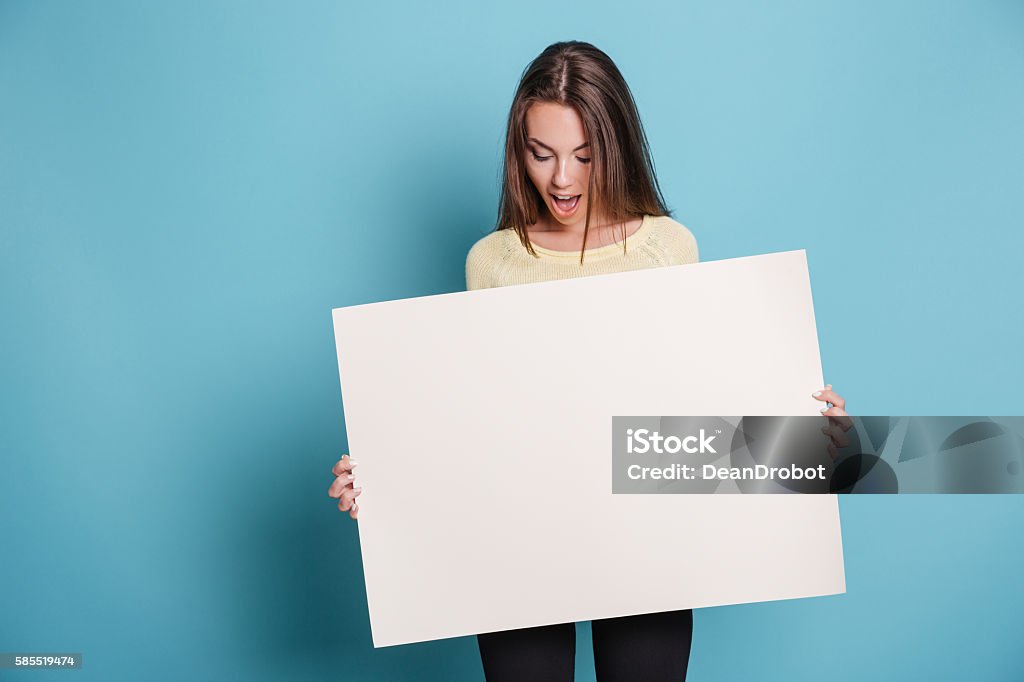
(188, 188)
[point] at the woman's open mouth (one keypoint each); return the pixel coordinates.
(565, 204)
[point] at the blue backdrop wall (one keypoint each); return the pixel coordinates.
(188, 188)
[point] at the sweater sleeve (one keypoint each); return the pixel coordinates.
(684, 249)
(475, 268)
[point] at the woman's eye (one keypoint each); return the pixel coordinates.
(582, 160)
(540, 158)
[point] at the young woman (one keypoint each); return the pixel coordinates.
(579, 197)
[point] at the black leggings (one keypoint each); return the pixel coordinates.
(652, 647)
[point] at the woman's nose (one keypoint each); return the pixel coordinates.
(562, 178)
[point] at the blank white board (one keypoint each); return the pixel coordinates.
(481, 422)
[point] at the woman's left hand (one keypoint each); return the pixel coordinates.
(838, 421)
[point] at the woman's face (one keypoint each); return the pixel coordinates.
(558, 160)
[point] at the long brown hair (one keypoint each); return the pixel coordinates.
(623, 182)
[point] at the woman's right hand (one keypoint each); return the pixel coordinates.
(344, 486)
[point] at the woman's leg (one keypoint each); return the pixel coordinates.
(544, 654)
(653, 647)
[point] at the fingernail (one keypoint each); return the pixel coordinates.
(824, 409)
(350, 477)
(816, 394)
(353, 463)
(358, 490)
(828, 386)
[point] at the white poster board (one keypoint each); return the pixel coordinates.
(481, 422)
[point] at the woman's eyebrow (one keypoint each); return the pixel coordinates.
(541, 144)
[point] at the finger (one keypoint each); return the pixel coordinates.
(842, 421)
(339, 484)
(354, 512)
(837, 435)
(836, 399)
(829, 396)
(834, 412)
(344, 465)
(348, 497)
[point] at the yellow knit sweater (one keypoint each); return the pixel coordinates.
(500, 259)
